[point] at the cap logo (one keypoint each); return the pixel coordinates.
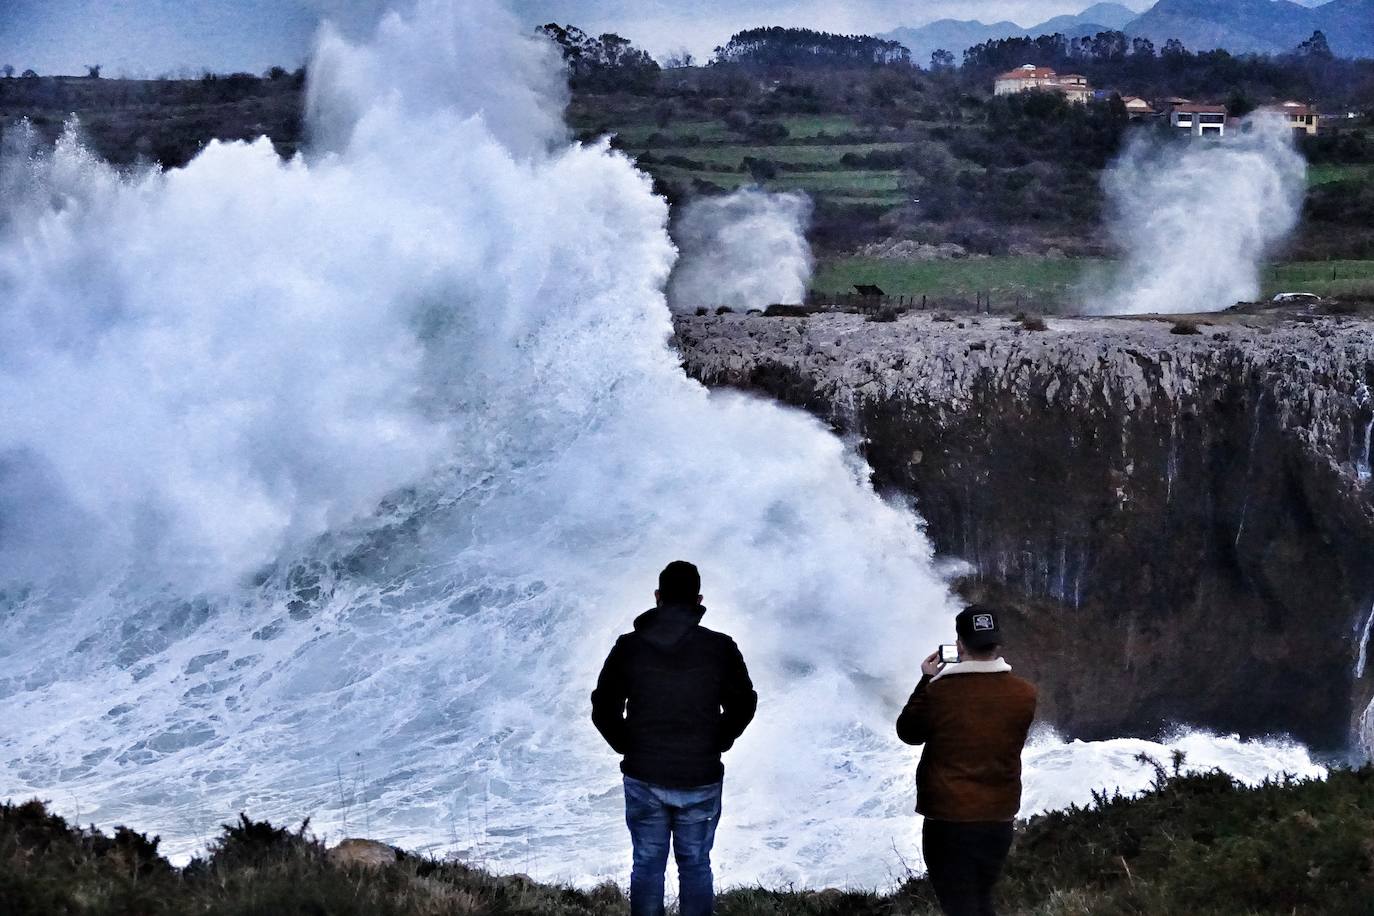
(983, 622)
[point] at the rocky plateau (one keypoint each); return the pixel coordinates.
(1179, 517)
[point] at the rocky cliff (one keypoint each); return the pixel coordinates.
(1183, 524)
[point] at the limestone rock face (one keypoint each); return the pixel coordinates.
(358, 853)
(1181, 525)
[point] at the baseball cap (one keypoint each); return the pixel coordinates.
(977, 627)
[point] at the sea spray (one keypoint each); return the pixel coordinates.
(743, 250)
(1195, 219)
(368, 455)
(381, 447)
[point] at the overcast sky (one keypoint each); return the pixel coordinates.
(152, 37)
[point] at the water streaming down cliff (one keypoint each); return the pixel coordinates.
(325, 485)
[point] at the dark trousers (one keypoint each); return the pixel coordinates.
(686, 817)
(963, 862)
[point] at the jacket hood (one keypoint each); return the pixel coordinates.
(664, 627)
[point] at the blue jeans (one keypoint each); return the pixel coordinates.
(687, 816)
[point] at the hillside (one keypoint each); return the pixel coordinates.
(890, 153)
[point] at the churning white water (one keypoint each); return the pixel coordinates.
(1196, 219)
(744, 250)
(325, 485)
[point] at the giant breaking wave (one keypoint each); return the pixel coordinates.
(325, 484)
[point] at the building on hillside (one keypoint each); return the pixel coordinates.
(1073, 86)
(1199, 120)
(1301, 118)
(1136, 107)
(1023, 79)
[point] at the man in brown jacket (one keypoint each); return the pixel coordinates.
(972, 716)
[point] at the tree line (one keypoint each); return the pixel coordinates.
(776, 46)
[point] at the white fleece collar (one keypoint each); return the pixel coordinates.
(996, 666)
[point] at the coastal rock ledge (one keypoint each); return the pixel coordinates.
(1182, 522)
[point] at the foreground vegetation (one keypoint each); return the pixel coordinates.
(1198, 844)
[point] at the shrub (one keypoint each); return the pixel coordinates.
(766, 131)
(760, 169)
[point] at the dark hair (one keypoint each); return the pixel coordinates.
(679, 582)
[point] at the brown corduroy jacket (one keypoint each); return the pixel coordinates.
(973, 719)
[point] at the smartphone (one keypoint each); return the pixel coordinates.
(949, 655)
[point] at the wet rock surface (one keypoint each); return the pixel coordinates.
(1181, 523)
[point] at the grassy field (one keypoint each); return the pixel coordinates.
(1325, 174)
(811, 126)
(1032, 279)
(1044, 280)
(800, 129)
(809, 158)
(1325, 278)
(856, 186)
(733, 155)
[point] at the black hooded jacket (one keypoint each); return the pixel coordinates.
(672, 697)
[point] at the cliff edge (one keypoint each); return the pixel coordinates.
(1179, 515)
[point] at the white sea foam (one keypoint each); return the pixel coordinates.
(1061, 773)
(364, 459)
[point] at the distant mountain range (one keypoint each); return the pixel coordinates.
(1239, 26)
(1259, 25)
(956, 35)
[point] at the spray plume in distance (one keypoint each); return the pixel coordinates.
(380, 448)
(744, 250)
(1196, 220)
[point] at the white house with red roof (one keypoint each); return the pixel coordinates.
(1073, 86)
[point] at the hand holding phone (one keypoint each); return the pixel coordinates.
(932, 664)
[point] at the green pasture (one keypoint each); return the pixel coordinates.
(1034, 279)
(800, 129)
(733, 155)
(1325, 278)
(1326, 174)
(872, 187)
(1045, 280)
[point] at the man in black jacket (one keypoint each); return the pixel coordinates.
(672, 697)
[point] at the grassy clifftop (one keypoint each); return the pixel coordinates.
(1199, 844)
